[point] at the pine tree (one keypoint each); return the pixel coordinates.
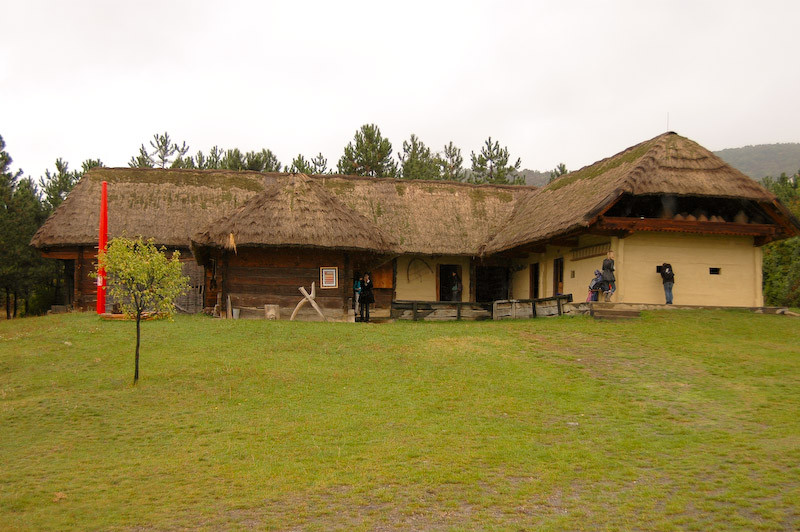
(30, 270)
(369, 154)
(319, 164)
(450, 163)
(232, 160)
(263, 161)
(558, 171)
(166, 153)
(417, 161)
(214, 159)
(8, 183)
(301, 166)
(491, 166)
(57, 185)
(143, 160)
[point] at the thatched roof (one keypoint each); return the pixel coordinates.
(400, 216)
(667, 164)
(166, 205)
(429, 217)
(294, 211)
(385, 215)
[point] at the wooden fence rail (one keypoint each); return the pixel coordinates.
(466, 310)
(529, 308)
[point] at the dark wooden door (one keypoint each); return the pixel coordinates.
(534, 291)
(558, 276)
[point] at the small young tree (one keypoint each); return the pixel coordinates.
(141, 278)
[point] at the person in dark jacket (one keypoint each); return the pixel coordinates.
(595, 286)
(668, 278)
(609, 281)
(456, 288)
(367, 297)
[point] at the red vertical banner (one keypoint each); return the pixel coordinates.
(102, 242)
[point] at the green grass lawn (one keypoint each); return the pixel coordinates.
(681, 419)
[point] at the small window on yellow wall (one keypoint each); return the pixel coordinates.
(714, 271)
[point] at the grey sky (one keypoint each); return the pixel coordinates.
(568, 82)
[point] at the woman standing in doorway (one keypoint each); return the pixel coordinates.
(367, 297)
(609, 281)
(456, 288)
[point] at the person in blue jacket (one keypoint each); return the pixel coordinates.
(357, 285)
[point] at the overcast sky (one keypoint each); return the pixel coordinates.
(555, 81)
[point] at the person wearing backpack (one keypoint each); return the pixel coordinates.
(609, 280)
(595, 286)
(668, 278)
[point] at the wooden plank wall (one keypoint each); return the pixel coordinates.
(257, 277)
(85, 283)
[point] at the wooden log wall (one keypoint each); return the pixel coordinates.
(257, 277)
(84, 296)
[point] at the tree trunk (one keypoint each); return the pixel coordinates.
(138, 330)
(15, 304)
(8, 305)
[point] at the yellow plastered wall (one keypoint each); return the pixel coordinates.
(416, 277)
(691, 256)
(521, 276)
(578, 272)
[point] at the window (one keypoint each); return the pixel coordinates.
(714, 271)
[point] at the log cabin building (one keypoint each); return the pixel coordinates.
(257, 237)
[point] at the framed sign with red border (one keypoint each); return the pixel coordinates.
(329, 277)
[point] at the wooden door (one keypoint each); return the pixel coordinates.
(558, 276)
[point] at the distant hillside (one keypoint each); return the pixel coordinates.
(764, 160)
(535, 178)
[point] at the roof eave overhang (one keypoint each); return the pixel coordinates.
(762, 232)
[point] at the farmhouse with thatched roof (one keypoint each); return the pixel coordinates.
(258, 237)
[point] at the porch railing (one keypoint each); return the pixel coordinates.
(530, 308)
(468, 310)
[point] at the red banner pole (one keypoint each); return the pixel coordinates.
(102, 242)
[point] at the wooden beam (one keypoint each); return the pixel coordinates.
(631, 225)
(65, 254)
(534, 248)
(564, 242)
(773, 210)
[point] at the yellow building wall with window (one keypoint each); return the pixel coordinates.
(738, 283)
(580, 262)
